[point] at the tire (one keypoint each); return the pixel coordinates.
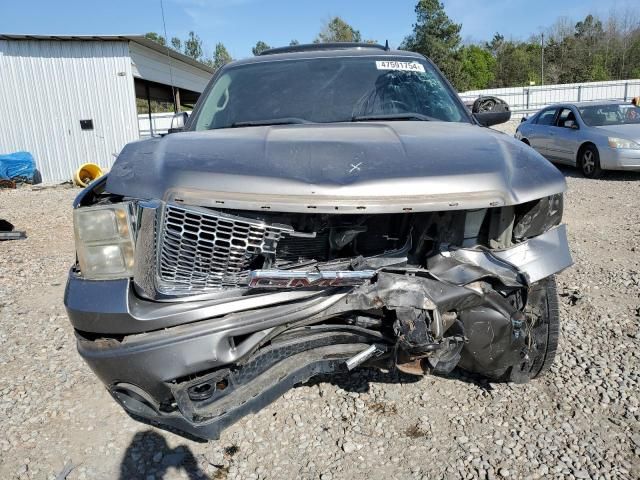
(37, 177)
(589, 162)
(543, 320)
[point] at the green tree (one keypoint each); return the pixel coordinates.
(221, 56)
(156, 38)
(599, 71)
(176, 44)
(193, 46)
(337, 30)
(260, 47)
(436, 36)
(478, 68)
(519, 64)
(293, 43)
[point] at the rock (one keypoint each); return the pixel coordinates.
(349, 447)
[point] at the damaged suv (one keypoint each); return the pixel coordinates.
(325, 207)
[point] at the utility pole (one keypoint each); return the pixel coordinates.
(542, 63)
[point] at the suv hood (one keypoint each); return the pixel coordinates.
(374, 167)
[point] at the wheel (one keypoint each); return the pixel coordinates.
(37, 177)
(543, 331)
(590, 162)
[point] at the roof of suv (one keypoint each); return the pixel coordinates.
(330, 50)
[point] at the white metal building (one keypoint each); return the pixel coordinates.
(70, 100)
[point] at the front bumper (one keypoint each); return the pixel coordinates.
(148, 352)
(619, 159)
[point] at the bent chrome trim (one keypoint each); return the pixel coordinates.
(295, 279)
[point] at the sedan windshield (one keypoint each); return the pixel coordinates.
(603, 115)
(324, 90)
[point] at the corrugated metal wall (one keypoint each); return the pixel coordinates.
(154, 66)
(47, 87)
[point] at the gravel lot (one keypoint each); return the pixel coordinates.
(580, 421)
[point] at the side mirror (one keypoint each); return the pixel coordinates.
(490, 111)
(178, 122)
(571, 124)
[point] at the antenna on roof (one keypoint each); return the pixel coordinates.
(173, 89)
(386, 45)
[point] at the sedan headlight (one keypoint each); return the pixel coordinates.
(615, 142)
(104, 241)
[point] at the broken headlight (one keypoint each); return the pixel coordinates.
(535, 218)
(104, 241)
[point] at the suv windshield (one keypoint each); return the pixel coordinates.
(337, 89)
(602, 115)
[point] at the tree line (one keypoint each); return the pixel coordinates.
(334, 30)
(591, 49)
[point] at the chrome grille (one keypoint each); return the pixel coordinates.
(203, 250)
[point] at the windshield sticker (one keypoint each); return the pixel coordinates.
(403, 66)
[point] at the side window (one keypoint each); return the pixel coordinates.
(565, 114)
(546, 117)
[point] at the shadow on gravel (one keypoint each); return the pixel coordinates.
(149, 456)
(360, 381)
(611, 175)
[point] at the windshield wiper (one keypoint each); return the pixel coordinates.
(272, 121)
(393, 116)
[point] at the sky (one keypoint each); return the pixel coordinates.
(239, 24)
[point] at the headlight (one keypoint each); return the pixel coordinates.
(104, 241)
(615, 142)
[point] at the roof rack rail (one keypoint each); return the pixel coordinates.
(311, 47)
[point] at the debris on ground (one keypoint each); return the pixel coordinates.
(7, 231)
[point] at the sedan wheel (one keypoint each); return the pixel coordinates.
(590, 162)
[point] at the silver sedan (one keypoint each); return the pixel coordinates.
(593, 136)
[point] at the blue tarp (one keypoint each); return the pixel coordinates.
(18, 166)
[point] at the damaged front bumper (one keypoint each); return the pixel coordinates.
(199, 365)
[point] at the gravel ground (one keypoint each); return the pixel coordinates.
(579, 421)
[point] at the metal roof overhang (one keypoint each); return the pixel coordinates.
(140, 39)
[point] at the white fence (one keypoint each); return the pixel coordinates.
(525, 100)
(522, 100)
(161, 122)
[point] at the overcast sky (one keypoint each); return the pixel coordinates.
(240, 23)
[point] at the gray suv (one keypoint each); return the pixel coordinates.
(325, 207)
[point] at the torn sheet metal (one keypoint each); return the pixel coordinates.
(537, 258)
(541, 256)
(462, 267)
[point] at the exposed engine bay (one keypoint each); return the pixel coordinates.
(227, 309)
